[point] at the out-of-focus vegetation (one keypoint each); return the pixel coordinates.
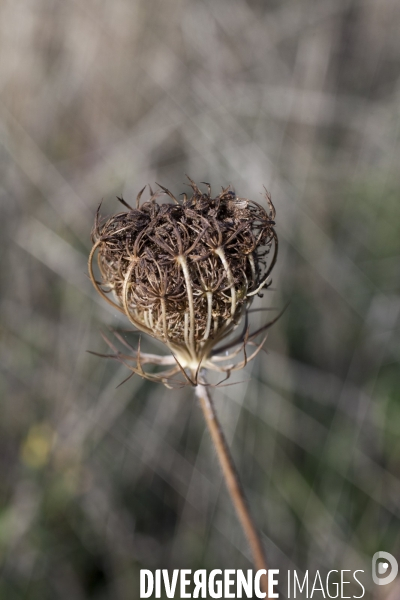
(100, 98)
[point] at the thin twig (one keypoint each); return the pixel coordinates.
(232, 482)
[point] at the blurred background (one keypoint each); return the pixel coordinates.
(99, 98)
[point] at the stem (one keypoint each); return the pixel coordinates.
(220, 252)
(232, 482)
(183, 263)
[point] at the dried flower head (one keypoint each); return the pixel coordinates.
(185, 273)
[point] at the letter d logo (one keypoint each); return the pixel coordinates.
(382, 567)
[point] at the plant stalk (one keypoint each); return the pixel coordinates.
(233, 482)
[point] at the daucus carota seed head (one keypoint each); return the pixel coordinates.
(185, 272)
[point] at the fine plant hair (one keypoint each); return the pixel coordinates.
(185, 272)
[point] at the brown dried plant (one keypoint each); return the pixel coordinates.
(186, 273)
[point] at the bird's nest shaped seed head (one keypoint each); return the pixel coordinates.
(185, 272)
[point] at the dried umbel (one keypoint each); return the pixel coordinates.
(185, 272)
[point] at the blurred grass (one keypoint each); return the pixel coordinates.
(98, 99)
